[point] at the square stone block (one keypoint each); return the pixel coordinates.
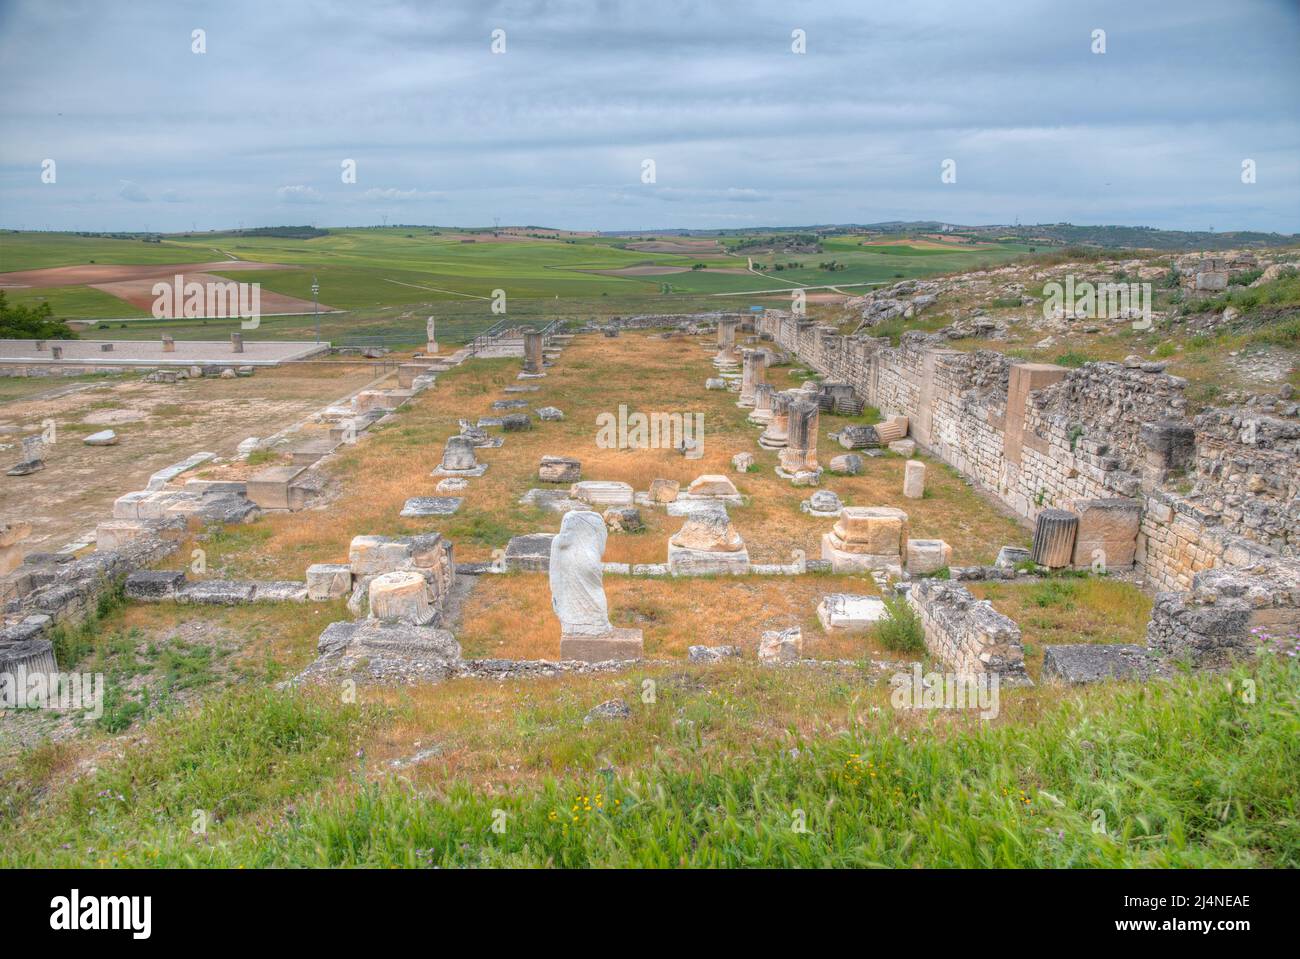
(616, 644)
(328, 580)
(602, 492)
(844, 561)
(872, 529)
(844, 612)
(1108, 530)
(927, 555)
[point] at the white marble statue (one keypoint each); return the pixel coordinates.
(577, 594)
(429, 333)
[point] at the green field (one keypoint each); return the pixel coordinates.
(385, 277)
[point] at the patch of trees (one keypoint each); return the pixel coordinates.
(792, 243)
(285, 232)
(19, 322)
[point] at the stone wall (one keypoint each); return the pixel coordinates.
(966, 634)
(1039, 436)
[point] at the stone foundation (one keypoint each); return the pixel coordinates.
(966, 634)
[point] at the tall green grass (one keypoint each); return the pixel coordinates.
(1186, 773)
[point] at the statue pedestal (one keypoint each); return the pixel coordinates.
(616, 644)
(431, 348)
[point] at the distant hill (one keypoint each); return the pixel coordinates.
(1039, 234)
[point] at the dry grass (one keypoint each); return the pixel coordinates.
(510, 616)
(1069, 610)
(595, 375)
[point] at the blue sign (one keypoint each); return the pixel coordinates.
(757, 309)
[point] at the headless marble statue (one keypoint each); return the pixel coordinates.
(577, 592)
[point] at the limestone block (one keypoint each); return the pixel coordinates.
(741, 462)
(844, 612)
(148, 585)
(559, 469)
(116, 533)
(602, 492)
(1010, 556)
(891, 429)
(927, 556)
(823, 503)
(1213, 280)
(102, 438)
(712, 485)
(327, 581)
(847, 464)
(781, 645)
(401, 597)
(372, 555)
(844, 559)
(529, 553)
(684, 561)
(419, 507)
(903, 447)
(616, 645)
(1107, 533)
(274, 488)
(914, 479)
(664, 490)
(872, 529)
(458, 458)
(709, 530)
(1095, 662)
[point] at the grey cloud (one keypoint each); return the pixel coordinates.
(553, 131)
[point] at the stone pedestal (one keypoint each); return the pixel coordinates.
(401, 597)
(602, 492)
(168, 344)
(762, 413)
(459, 459)
(236, 342)
(727, 355)
(798, 459)
(1054, 534)
(777, 432)
(617, 644)
(914, 479)
(866, 538)
(927, 556)
(754, 363)
(533, 352)
(707, 544)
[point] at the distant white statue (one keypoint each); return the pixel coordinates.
(576, 572)
(429, 332)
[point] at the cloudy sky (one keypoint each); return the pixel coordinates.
(742, 130)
